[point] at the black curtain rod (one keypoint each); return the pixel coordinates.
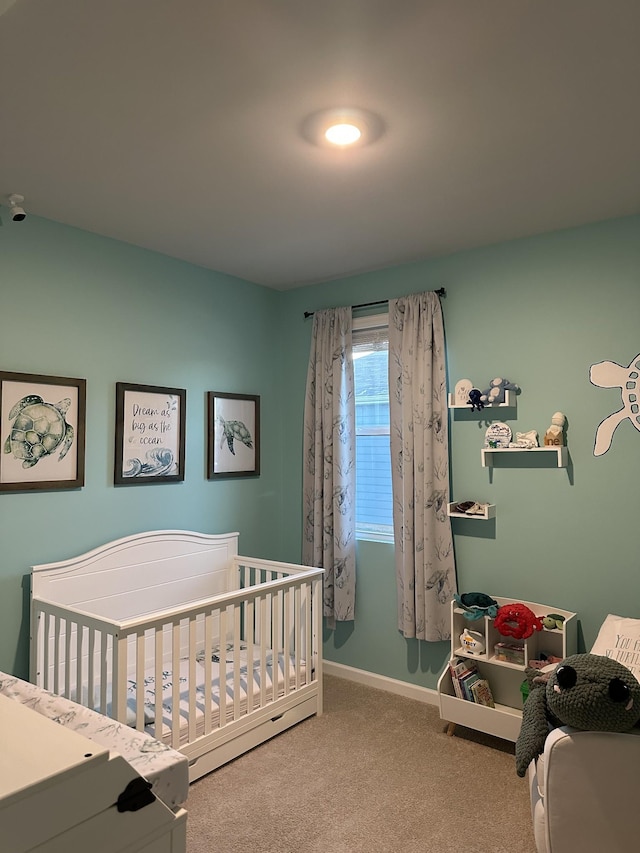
(440, 291)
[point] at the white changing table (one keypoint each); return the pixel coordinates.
(61, 792)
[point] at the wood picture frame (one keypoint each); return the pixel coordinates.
(150, 434)
(43, 432)
(233, 435)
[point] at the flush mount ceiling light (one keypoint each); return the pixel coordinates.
(342, 127)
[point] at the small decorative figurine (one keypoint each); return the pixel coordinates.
(526, 440)
(472, 642)
(554, 436)
(461, 393)
(475, 400)
(497, 435)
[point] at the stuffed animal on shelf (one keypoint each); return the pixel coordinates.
(475, 400)
(588, 692)
(495, 392)
(553, 622)
(476, 605)
(517, 621)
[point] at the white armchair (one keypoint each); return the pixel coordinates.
(585, 787)
(585, 792)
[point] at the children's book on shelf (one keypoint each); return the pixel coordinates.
(482, 693)
(468, 682)
(458, 668)
(461, 670)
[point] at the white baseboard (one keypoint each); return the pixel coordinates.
(381, 682)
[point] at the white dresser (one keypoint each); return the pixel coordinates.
(61, 792)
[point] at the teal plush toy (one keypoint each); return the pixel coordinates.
(476, 605)
(588, 692)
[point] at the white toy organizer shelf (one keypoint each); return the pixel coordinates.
(504, 678)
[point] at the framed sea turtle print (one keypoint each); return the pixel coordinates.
(43, 432)
(233, 430)
(150, 434)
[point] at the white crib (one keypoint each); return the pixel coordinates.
(182, 610)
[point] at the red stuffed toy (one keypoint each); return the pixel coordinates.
(517, 620)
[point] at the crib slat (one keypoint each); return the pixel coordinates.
(67, 657)
(264, 640)
(56, 654)
(157, 680)
(308, 639)
(236, 663)
(175, 685)
(222, 669)
(297, 636)
(139, 679)
(104, 650)
(208, 652)
(79, 662)
(286, 644)
(192, 678)
(90, 669)
(119, 678)
(275, 644)
(44, 674)
(251, 676)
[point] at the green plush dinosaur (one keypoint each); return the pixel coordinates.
(588, 692)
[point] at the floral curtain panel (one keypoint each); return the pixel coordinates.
(329, 462)
(425, 569)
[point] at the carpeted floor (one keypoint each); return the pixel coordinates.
(376, 773)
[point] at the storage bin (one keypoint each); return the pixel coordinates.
(509, 652)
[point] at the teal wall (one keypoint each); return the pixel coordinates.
(539, 311)
(78, 305)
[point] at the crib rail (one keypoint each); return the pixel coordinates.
(216, 661)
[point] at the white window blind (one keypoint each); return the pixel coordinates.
(374, 503)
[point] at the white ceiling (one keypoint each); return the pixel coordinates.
(175, 125)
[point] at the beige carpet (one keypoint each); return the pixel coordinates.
(375, 773)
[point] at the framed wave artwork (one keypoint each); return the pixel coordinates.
(150, 434)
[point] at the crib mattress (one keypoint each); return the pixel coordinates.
(165, 768)
(248, 681)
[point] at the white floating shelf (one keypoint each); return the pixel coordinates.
(489, 512)
(509, 401)
(488, 453)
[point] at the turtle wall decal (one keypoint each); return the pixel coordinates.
(38, 429)
(610, 374)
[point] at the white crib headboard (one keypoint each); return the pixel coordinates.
(141, 574)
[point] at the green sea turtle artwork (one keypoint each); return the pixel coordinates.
(38, 430)
(232, 430)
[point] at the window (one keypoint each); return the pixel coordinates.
(374, 503)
